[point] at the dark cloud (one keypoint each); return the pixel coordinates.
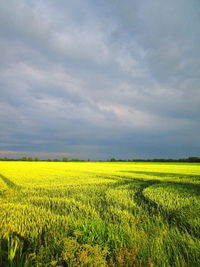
(98, 79)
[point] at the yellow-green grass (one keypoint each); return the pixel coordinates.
(99, 214)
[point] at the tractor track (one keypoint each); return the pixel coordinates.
(153, 209)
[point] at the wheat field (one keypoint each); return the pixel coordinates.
(99, 214)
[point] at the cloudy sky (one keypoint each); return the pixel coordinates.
(97, 79)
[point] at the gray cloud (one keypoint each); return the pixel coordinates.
(100, 79)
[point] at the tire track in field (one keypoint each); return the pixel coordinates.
(10, 183)
(153, 209)
(148, 205)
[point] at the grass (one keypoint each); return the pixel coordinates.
(99, 214)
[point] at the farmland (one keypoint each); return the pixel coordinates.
(99, 214)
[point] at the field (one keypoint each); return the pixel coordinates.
(99, 214)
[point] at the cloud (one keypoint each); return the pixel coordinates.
(92, 78)
(42, 155)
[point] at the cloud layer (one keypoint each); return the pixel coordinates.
(100, 79)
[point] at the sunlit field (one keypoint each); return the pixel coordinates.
(99, 214)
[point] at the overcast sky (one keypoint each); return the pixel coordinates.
(100, 79)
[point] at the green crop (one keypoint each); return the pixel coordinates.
(99, 214)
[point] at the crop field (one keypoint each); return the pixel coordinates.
(99, 214)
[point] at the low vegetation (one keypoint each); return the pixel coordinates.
(99, 214)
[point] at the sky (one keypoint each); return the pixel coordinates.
(100, 79)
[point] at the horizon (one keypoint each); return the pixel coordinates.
(191, 159)
(100, 80)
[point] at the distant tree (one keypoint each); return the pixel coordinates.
(193, 159)
(112, 159)
(75, 160)
(55, 160)
(65, 159)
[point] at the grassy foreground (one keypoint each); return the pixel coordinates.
(99, 214)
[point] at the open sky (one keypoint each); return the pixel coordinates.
(97, 79)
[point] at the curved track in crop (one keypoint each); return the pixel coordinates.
(154, 209)
(10, 184)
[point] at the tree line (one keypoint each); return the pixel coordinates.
(65, 159)
(189, 160)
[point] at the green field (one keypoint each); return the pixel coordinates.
(99, 214)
